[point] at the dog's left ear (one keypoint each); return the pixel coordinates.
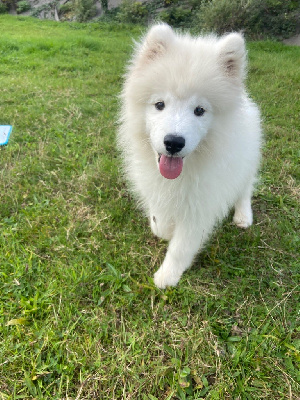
(232, 55)
(156, 43)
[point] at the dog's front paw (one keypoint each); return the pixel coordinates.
(243, 220)
(164, 277)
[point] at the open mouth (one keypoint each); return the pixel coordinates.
(170, 167)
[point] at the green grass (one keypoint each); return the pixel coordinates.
(80, 317)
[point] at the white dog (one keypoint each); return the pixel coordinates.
(190, 139)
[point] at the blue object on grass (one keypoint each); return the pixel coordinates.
(5, 131)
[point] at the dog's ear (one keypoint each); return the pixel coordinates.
(156, 42)
(232, 55)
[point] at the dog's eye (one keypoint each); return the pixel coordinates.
(199, 111)
(160, 105)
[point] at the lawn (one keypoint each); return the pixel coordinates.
(80, 317)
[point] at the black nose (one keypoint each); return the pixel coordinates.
(174, 143)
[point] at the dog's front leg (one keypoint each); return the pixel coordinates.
(182, 249)
(161, 227)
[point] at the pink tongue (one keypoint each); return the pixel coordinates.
(170, 167)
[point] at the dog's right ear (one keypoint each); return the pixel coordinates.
(156, 42)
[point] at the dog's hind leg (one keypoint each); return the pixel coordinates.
(243, 216)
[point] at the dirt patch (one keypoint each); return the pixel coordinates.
(293, 41)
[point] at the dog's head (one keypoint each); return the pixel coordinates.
(180, 84)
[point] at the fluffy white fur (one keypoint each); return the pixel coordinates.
(222, 147)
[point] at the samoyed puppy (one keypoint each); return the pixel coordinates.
(190, 138)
